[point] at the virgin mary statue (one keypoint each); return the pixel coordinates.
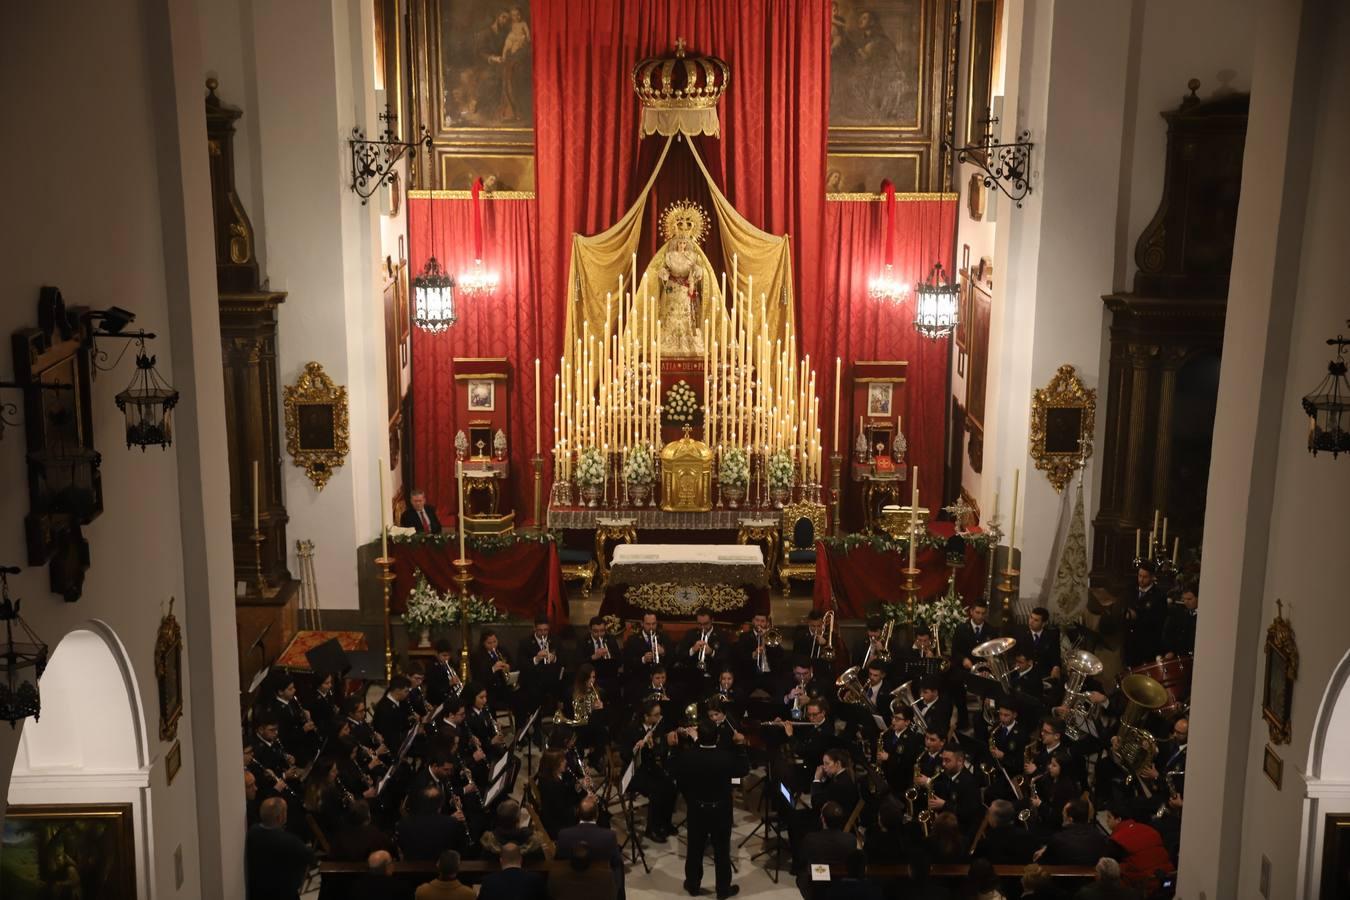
(685, 277)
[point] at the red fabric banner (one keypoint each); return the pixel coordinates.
(523, 580)
(515, 322)
(845, 322)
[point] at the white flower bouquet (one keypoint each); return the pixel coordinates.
(735, 470)
(681, 403)
(427, 608)
(782, 472)
(941, 615)
(638, 467)
(590, 470)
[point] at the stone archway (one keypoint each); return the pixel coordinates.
(1327, 782)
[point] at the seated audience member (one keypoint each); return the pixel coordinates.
(1143, 857)
(1079, 842)
(922, 886)
(1037, 883)
(513, 825)
(981, 883)
(426, 830)
(831, 846)
(420, 514)
(250, 799)
(447, 885)
(1004, 842)
(601, 841)
(855, 885)
(379, 882)
(275, 860)
(558, 796)
(358, 837)
(512, 882)
(580, 880)
(946, 842)
(1106, 885)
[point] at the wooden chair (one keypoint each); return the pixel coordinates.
(802, 524)
(852, 823)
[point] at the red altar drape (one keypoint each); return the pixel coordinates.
(515, 322)
(846, 322)
(523, 580)
(769, 161)
(862, 579)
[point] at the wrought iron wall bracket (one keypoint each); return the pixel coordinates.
(373, 161)
(1005, 166)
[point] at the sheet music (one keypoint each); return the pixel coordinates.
(881, 723)
(499, 767)
(529, 723)
(628, 775)
(494, 792)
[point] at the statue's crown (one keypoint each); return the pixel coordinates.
(681, 81)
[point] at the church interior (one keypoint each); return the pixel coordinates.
(646, 448)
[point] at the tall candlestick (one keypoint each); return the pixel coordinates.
(1012, 534)
(538, 416)
(1155, 519)
(913, 515)
(1164, 534)
(255, 495)
(384, 526)
(459, 476)
(838, 378)
(1176, 550)
(1138, 536)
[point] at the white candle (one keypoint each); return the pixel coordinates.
(459, 475)
(1176, 550)
(838, 377)
(538, 399)
(1138, 536)
(1012, 535)
(255, 495)
(1164, 534)
(913, 515)
(384, 526)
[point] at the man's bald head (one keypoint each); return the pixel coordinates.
(510, 856)
(380, 863)
(273, 812)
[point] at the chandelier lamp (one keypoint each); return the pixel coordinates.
(22, 661)
(886, 287)
(1328, 406)
(477, 281)
(433, 290)
(936, 309)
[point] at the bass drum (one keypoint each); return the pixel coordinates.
(1175, 677)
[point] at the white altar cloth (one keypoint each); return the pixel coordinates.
(701, 563)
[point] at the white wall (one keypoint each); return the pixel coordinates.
(115, 209)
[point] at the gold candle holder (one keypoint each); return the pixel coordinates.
(836, 478)
(538, 493)
(463, 577)
(387, 576)
(1008, 589)
(259, 582)
(911, 589)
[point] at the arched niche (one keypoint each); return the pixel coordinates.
(90, 745)
(1327, 784)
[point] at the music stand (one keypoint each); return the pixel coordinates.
(632, 840)
(772, 827)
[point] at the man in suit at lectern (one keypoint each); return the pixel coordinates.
(419, 515)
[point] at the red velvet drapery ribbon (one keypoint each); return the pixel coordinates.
(477, 202)
(888, 189)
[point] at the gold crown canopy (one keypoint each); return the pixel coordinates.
(684, 219)
(679, 93)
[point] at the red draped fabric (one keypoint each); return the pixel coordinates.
(769, 161)
(845, 322)
(521, 580)
(515, 322)
(862, 579)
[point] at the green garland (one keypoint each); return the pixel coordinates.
(884, 543)
(486, 544)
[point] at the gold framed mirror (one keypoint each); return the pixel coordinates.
(1277, 696)
(1063, 415)
(317, 435)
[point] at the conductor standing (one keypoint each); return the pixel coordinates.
(704, 775)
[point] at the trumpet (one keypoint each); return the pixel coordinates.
(827, 628)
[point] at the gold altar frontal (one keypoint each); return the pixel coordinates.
(686, 475)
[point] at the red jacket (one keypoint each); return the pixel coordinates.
(1144, 856)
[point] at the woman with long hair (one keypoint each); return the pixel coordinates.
(946, 844)
(1050, 791)
(585, 708)
(325, 797)
(558, 797)
(482, 721)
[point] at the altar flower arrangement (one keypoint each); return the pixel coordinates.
(590, 470)
(941, 615)
(735, 470)
(681, 403)
(428, 609)
(638, 466)
(782, 471)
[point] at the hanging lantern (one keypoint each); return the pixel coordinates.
(148, 404)
(19, 697)
(477, 281)
(886, 287)
(936, 310)
(1328, 406)
(433, 298)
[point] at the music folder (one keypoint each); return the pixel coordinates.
(499, 767)
(628, 775)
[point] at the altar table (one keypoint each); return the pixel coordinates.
(688, 564)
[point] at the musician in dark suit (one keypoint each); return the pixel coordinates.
(427, 830)
(1007, 744)
(489, 666)
(900, 748)
(1145, 613)
(728, 694)
(935, 709)
(324, 704)
(1022, 677)
(809, 641)
(540, 666)
(970, 634)
(956, 790)
(649, 739)
(704, 775)
(293, 720)
(701, 653)
(646, 648)
(1178, 636)
(1039, 640)
(763, 667)
(601, 649)
(419, 514)
(872, 644)
(833, 781)
(443, 674)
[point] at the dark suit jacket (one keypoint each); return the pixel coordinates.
(392, 722)
(1178, 635)
(1078, 845)
(745, 652)
(634, 649)
(424, 837)
(381, 887)
(964, 640)
(704, 776)
(512, 884)
(543, 676)
(275, 862)
(1044, 654)
(602, 841)
(410, 519)
(840, 789)
(596, 883)
(826, 847)
(719, 649)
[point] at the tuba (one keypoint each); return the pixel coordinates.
(993, 664)
(903, 698)
(1079, 708)
(1135, 748)
(851, 689)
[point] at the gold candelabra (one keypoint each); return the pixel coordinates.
(836, 477)
(387, 576)
(463, 577)
(1008, 589)
(259, 582)
(538, 493)
(911, 589)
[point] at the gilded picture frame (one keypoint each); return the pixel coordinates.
(1277, 696)
(1273, 766)
(88, 848)
(1063, 416)
(318, 434)
(169, 674)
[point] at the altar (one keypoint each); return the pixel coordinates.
(687, 564)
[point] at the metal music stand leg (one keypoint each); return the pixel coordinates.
(773, 830)
(633, 841)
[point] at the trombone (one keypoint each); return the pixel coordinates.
(827, 627)
(883, 653)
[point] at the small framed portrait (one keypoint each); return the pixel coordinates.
(879, 399)
(482, 395)
(173, 762)
(1273, 766)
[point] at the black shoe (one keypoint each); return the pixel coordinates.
(694, 891)
(657, 837)
(730, 892)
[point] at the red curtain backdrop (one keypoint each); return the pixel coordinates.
(515, 322)
(845, 322)
(522, 580)
(769, 161)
